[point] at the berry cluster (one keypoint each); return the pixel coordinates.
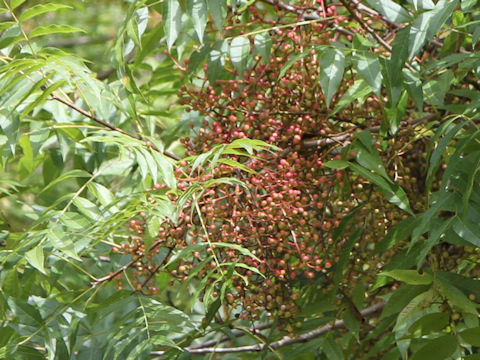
(287, 214)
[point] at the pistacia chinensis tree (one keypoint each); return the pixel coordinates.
(256, 179)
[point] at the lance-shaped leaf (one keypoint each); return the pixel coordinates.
(239, 50)
(332, 65)
(172, 21)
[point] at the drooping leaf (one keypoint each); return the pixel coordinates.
(104, 195)
(345, 255)
(401, 297)
(414, 87)
(357, 92)
(427, 25)
(216, 60)
(332, 65)
(198, 13)
(393, 67)
(263, 44)
(239, 50)
(456, 296)
(172, 23)
(471, 336)
(151, 233)
(423, 4)
(87, 208)
(435, 158)
(332, 350)
(439, 348)
(368, 67)
(433, 322)
(218, 9)
(436, 89)
(394, 193)
(391, 10)
(36, 258)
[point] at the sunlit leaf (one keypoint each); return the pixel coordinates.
(368, 67)
(41, 9)
(239, 50)
(36, 258)
(391, 10)
(54, 29)
(172, 23)
(428, 23)
(198, 13)
(332, 64)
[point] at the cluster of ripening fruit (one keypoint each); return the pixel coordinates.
(291, 204)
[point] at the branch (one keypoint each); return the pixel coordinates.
(111, 127)
(343, 137)
(236, 333)
(286, 340)
(115, 273)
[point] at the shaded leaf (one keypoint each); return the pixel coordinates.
(471, 336)
(436, 349)
(429, 323)
(337, 164)
(332, 349)
(401, 298)
(394, 193)
(357, 92)
(393, 67)
(409, 276)
(456, 296)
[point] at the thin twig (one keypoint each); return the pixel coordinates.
(115, 273)
(286, 340)
(371, 12)
(364, 25)
(290, 8)
(307, 16)
(124, 267)
(154, 271)
(110, 126)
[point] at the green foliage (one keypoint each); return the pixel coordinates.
(90, 141)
